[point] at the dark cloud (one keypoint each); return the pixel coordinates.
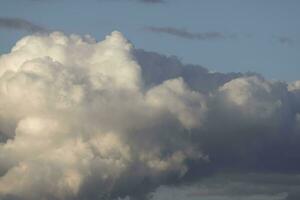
(156, 68)
(148, 2)
(182, 33)
(152, 1)
(142, 1)
(267, 138)
(251, 186)
(285, 40)
(20, 24)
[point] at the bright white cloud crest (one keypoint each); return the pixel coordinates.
(76, 115)
(74, 104)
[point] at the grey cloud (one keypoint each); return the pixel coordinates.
(148, 2)
(142, 1)
(151, 1)
(20, 24)
(183, 33)
(156, 68)
(251, 186)
(285, 40)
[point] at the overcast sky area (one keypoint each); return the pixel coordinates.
(149, 100)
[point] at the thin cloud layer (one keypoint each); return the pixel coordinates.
(20, 24)
(82, 119)
(249, 186)
(141, 1)
(182, 33)
(285, 40)
(152, 1)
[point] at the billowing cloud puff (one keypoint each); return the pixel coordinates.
(81, 119)
(71, 109)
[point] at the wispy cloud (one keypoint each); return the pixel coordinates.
(142, 1)
(285, 40)
(151, 1)
(20, 24)
(183, 33)
(138, 1)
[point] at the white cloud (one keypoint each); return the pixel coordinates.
(75, 104)
(252, 95)
(87, 119)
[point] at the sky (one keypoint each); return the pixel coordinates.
(149, 100)
(259, 36)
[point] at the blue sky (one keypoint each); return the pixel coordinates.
(266, 33)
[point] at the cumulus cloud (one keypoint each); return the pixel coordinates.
(76, 118)
(81, 119)
(20, 24)
(182, 33)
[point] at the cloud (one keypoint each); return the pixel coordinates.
(285, 40)
(182, 33)
(82, 119)
(152, 1)
(250, 186)
(20, 24)
(141, 1)
(149, 2)
(72, 130)
(157, 68)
